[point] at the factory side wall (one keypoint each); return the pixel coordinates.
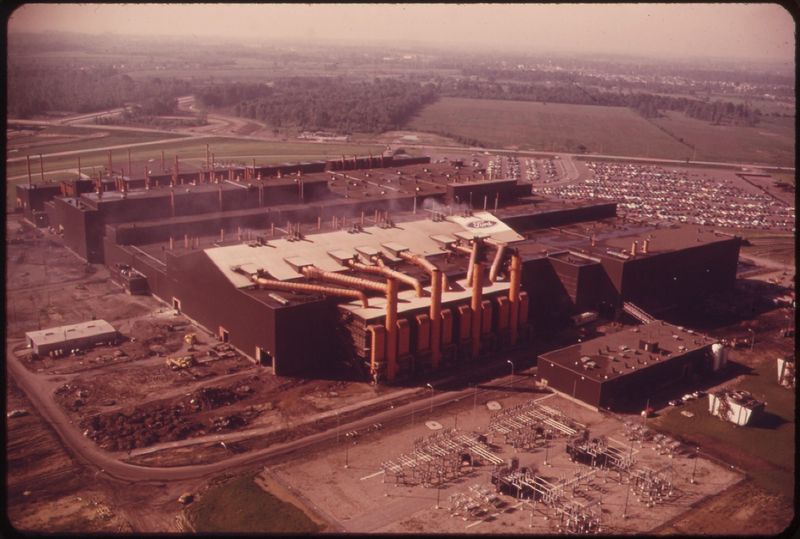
(560, 217)
(640, 383)
(307, 339)
(663, 280)
(207, 297)
(569, 382)
(549, 302)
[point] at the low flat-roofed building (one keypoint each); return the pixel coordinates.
(628, 365)
(75, 336)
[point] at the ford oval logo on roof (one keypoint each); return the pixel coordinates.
(482, 223)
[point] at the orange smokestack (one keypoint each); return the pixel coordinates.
(513, 295)
(391, 329)
(436, 318)
(477, 297)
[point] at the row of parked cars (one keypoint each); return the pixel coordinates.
(686, 398)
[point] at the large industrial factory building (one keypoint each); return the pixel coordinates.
(392, 265)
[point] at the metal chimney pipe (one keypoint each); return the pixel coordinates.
(645, 246)
(186, 241)
(513, 294)
(391, 329)
(477, 298)
(171, 243)
(436, 318)
(172, 201)
(634, 245)
(473, 258)
(498, 258)
(28, 160)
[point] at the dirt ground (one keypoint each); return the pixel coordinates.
(46, 489)
(356, 498)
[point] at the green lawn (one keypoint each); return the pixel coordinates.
(548, 127)
(241, 506)
(771, 142)
(765, 451)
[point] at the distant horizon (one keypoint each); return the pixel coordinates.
(421, 46)
(746, 32)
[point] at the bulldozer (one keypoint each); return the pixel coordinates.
(184, 362)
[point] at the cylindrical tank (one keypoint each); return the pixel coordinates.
(717, 352)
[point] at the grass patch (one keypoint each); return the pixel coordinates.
(765, 450)
(548, 127)
(241, 506)
(770, 142)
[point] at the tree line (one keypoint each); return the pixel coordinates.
(36, 90)
(324, 103)
(646, 104)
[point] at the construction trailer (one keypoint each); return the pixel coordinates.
(738, 407)
(786, 372)
(62, 340)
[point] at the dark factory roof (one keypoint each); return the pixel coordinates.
(613, 239)
(621, 353)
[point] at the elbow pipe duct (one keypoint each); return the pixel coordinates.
(314, 288)
(498, 258)
(390, 273)
(438, 282)
(315, 273)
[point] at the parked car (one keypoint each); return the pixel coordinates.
(675, 402)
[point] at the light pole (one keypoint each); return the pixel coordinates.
(512, 371)
(694, 468)
(431, 388)
(752, 338)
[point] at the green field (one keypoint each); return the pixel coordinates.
(766, 450)
(770, 142)
(550, 127)
(606, 130)
(241, 506)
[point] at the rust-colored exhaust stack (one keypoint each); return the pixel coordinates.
(645, 246)
(513, 294)
(389, 272)
(436, 317)
(477, 298)
(498, 258)
(634, 245)
(315, 288)
(391, 329)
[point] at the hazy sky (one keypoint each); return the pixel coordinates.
(756, 31)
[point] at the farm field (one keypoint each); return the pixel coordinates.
(770, 142)
(548, 127)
